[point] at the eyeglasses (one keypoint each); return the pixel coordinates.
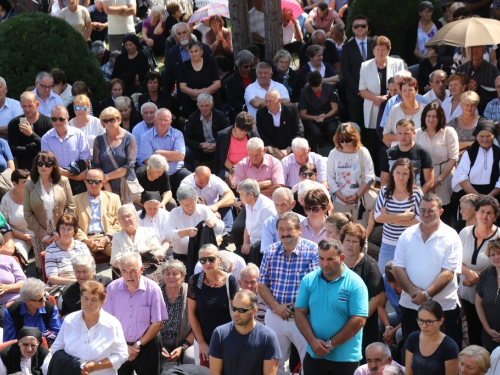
(360, 26)
(66, 230)
(46, 164)
(42, 298)
(347, 140)
(428, 211)
(93, 182)
(314, 209)
(111, 120)
(246, 66)
(27, 344)
(427, 323)
(45, 87)
(241, 310)
(307, 174)
(80, 108)
(205, 259)
(60, 119)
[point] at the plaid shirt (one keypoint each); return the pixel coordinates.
(282, 275)
(492, 111)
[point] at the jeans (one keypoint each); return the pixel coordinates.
(386, 254)
(226, 214)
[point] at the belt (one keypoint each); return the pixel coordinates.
(131, 343)
(96, 234)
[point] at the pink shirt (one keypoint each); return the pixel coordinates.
(237, 150)
(323, 23)
(308, 232)
(270, 169)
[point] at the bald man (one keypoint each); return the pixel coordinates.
(216, 192)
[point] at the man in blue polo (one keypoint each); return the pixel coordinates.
(330, 311)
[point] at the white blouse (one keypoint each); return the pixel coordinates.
(49, 203)
(159, 222)
(480, 172)
(91, 130)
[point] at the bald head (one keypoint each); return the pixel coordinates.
(273, 101)
(29, 95)
(202, 176)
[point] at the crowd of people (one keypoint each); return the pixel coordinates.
(221, 151)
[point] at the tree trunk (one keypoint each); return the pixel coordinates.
(274, 30)
(240, 25)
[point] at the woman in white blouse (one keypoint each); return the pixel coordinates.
(153, 216)
(451, 106)
(92, 334)
(89, 125)
(344, 171)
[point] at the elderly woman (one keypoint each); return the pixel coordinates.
(285, 75)
(315, 55)
(452, 105)
(78, 17)
(465, 123)
(243, 76)
(154, 30)
(467, 212)
(89, 125)
(349, 172)
(115, 151)
(154, 177)
(176, 334)
(31, 310)
(130, 117)
(27, 355)
(60, 253)
(153, 216)
(92, 334)
(116, 89)
(316, 207)
(152, 91)
(473, 360)
(12, 278)
(47, 196)
(210, 295)
(218, 37)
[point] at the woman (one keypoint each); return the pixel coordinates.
(373, 78)
(344, 172)
(153, 216)
(78, 17)
(131, 65)
(219, 38)
(116, 89)
(467, 212)
(81, 88)
(353, 238)
(456, 84)
(115, 151)
(6, 157)
(334, 224)
(12, 209)
(487, 296)
(318, 109)
(12, 278)
(174, 14)
(130, 118)
(154, 30)
(442, 143)
(475, 240)
(27, 355)
(316, 207)
(92, 334)
(89, 125)
(153, 92)
(420, 33)
(176, 334)
(430, 351)
(154, 177)
(308, 171)
(408, 108)
(210, 296)
(196, 76)
(46, 198)
(397, 208)
(285, 75)
(465, 123)
(315, 55)
(473, 360)
(60, 253)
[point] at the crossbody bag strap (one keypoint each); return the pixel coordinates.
(108, 150)
(361, 166)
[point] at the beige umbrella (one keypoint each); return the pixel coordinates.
(468, 32)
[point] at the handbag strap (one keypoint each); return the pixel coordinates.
(361, 166)
(108, 150)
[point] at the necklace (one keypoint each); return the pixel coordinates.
(216, 282)
(89, 326)
(414, 110)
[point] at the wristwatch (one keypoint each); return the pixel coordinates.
(138, 343)
(426, 294)
(157, 152)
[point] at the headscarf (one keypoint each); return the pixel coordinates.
(148, 196)
(30, 331)
(484, 124)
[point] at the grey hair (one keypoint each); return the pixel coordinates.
(431, 76)
(264, 65)
(127, 207)
(113, 55)
(158, 162)
(175, 264)
(244, 57)
(379, 346)
(249, 185)
(177, 25)
(43, 75)
(255, 143)
(98, 47)
(455, 6)
(86, 260)
(313, 50)
(123, 101)
(283, 191)
(31, 289)
(402, 74)
(158, 9)
(315, 34)
(204, 97)
(305, 186)
(210, 246)
(392, 370)
(425, 5)
(280, 54)
(162, 110)
(226, 260)
(250, 267)
(2, 80)
(149, 104)
(128, 258)
(300, 144)
(186, 192)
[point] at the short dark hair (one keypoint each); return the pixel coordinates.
(410, 81)
(244, 121)
(289, 216)
(431, 197)
(327, 244)
(19, 174)
(46, 156)
(354, 230)
(195, 43)
(254, 50)
(115, 81)
(151, 76)
(59, 76)
(314, 78)
(322, 6)
(360, 17)
(389, 276)
(311, 166)
(223, 63)
(94, 287)
(465, 12)
(172, 8)
(316, 197)
(68, 219)
(488, 200)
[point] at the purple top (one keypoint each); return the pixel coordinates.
(10, 273)
(135, 311)
(151, 29)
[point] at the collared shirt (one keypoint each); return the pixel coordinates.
(10, 109)
(283, 275)
(255, 90)
(365, 370)
(45, 107)
(207, 128)
(159, 222)
(291, 168)
(256, 19)
(309, 234)
(492, 110)
(270, 169)
(359, 42)
(395, 100)
(173, 140)
(480, 172)
(184, 53)
(137, 132)
(276, 117)
(432, 98)
(270, 232)
(95, 225)
(261, 210)
(212, 192)
(72, 147)
(135, 311)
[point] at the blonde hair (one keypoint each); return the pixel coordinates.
(110, 111)
(84, 99)
(469, 97)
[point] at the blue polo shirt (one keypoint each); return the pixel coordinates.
(331, 305)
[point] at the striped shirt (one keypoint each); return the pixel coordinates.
(391, 232)
(58, 261)
(282, 275)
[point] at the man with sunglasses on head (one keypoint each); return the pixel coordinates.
(231, 342)
(44, 84)
(97, 214)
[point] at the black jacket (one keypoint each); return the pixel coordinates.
(236, 90)
(11, 358)
(204, 236)
(294, 82)
(351, 64)
(193, 132)
(330, 53)
(290, 126)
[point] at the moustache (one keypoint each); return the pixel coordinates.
(286, 237)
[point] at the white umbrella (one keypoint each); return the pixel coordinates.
(468, 32)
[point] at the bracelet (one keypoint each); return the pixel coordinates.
(390, 327)
(187, 343)
(100, 365)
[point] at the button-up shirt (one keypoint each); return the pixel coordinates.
(173, 140)
(270, 232)
(137, 132)
(135, 311)
(431, 97)
(184, 53)
(212, 192)
(270, 169)
(276, 117)
(255, 90)
(95, 225)
(291, 168)
(261, 210)
(10, 109)
(309, 234)
(45, 107)
(492, 110)
(72, 147)
(207, 128)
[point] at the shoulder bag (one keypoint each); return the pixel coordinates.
(369, 197)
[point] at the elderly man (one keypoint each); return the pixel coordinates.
(438, 92)
(166, 141)
(43, 91)
(137, 302)
(330, 53)
(97, 214)
(201, 131)
(322, 18)
(25, 136)
(255, 93)
(148, 111)
(377, 355)
(121, 14)
(284, 265)
(249, 279)
(492, 111)
(301, 154)
(9, 108)
(278, 124)
(236, 84)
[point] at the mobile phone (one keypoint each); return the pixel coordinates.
(23, 121)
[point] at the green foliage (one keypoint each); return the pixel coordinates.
(34, 42)
(390, 18)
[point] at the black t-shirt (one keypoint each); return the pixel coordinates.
(71, 299)
(420, 159)
(161, 184)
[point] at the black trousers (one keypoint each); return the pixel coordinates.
(147, 362)
(239, 229)
(474, 325)
(314, 132)
(176, 179)
(318, 366)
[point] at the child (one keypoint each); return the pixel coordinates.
(107, 69)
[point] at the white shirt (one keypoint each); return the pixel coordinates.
(423, 262)
(214, 190)
(203, 30)
(480, 172)
(432, 98)
(45, 107)
(238, 264)
(288, 33)
(104, 340)
(256, 19)
(159, 222)
(255, 90)
(261, 210)
(276, 117)
(118, 25)
(91, 130)
(179, 220)
(66, 96)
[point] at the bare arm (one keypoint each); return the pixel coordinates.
(444, 277)
(9, 246)
(257, 38)
(384, 178)
(258, 102)
(451, 367)
(319, 347)
(409, 359)
(308, 26)
(377, 99)
(388, 138)
(429, 180)
(57, 280)
(348, 331)
(270, 366)
(375, 302)
(268, 191)
(88, 30)
(468, 188)
(403, 280)
(227, 199)
(216, 366)
(333, 80)
(166, 198)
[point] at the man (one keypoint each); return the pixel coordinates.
(244, 346)
(377, 355)
(166, 141)
(43, 91)
(301, 154)
(214, 190)
(438, 92)
(25, 138)
(330, 311)
(137, 302)
(97, 214)
(355, 52)
(427, 261)
(292, 34)
(258, 207)
(148, 111)
(249, 279)
(420, 158)
(330, 53)
(121, 15)
(322, 18)
(278, 124)
(284, 265)
(9, 108)
(61, 86)
(492, 111)
(257, 26)
(201, 131)
(255, 92)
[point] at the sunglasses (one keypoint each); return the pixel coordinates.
(210, 259)
(46, 164)
(314, 209)
(80, 108)
(109, 120)
(60, 119)
(93, 182)
(307, 174)
(361, 26)
(42, 298)
(348, 140)
(241, 310)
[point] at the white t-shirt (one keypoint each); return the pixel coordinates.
(118, 25)
(92, 130)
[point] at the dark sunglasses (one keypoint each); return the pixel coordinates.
(241, 310)
(307, 174)
(80, 108)
(42, 298)
(93, 182)
(210, 259)
(314, 209)
(60, 119)
(348, 140)
(360, 26)
(111, 120)
(47, 164)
